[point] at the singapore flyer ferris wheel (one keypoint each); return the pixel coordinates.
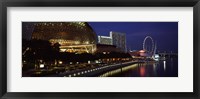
(148, 45)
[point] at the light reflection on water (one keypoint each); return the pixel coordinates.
(166, 68)
(124, 69)
(164, 63)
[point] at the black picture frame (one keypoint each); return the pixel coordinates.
(98, 3)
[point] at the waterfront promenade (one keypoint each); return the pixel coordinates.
(93, 72)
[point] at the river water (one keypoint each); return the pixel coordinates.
(162, 68)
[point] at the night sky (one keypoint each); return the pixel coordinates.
(165, 34)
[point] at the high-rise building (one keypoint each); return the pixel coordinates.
(105, 40)
(27, 30)
(119, 40)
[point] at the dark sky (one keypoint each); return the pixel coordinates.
(165, 34)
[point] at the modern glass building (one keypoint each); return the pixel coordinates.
(76, 37)
(119, 40)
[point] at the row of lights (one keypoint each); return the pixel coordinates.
(87, 71)
(62, 41)
(117, 71)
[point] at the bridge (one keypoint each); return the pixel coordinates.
(167, 54)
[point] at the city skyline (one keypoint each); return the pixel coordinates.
(165, 34)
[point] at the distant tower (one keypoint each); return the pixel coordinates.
(27, 30)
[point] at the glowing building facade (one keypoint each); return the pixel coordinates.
(105, 40)
(75, 37)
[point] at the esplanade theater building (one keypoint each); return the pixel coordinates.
(76, 37)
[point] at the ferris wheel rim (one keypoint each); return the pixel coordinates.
(151, 42)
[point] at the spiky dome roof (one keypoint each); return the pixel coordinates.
(76, 31)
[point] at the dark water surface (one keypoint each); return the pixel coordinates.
(162, 68)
